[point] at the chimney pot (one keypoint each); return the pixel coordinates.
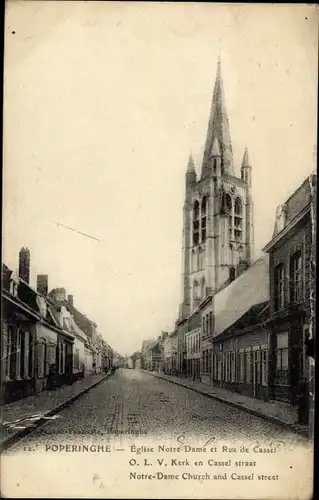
(42, 284)
(24, 264)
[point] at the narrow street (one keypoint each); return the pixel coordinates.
(134, 403)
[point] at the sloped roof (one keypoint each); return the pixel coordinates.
(254, 316)
(293, 206)
(75, 328)
(148, 344)
(250, 288)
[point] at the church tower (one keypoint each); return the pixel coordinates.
(218, 224)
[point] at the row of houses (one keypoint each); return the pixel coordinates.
(45, 341)
(255, 335)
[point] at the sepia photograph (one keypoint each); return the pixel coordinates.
(158, 292)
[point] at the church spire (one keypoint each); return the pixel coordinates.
(245, 162)
(190, 165)
(218, 126)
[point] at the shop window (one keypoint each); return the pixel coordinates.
(282, 361)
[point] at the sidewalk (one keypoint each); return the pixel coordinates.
(20, 417)
(274, 411)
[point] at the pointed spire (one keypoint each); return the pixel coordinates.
(191, 165)
(245, 162)
(215, 149)
(218, 126)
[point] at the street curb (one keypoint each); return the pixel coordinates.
(274, 420)
(6, 443)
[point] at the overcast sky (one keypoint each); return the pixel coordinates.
(104, 102)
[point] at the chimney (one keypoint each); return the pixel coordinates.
(24, 264)
(58, 294)
(241, 267)
(42, 284)
(70, 300)
(232, 273)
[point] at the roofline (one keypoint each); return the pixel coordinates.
(16, 301)
(205, 301)
(225, 336)
(40, 319)
(288, 228)
(305, 181)
(231, 329)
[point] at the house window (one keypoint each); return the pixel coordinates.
(233, 366)
(282, 364)
(219, 367)
(46, 359)
(77, 359)
(26, 354)
(41, 359)
(196, 223)
(204, 210)
(296, 277)
(7, 329)
(228, 368)
(21, 357)
(242, 367)
(264, 367)
(279, 287)
(248, 365)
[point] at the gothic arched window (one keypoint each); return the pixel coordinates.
(228, 210)
(195, 292)
(204, 215)
(238, 207)
(203, 289)
(238, 220)
(196, 223)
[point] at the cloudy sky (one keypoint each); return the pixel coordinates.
(104, 102)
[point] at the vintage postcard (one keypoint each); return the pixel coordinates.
(159, 241)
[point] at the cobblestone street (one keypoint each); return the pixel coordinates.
(133, 402)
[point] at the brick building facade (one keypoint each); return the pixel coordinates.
(291, 287)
